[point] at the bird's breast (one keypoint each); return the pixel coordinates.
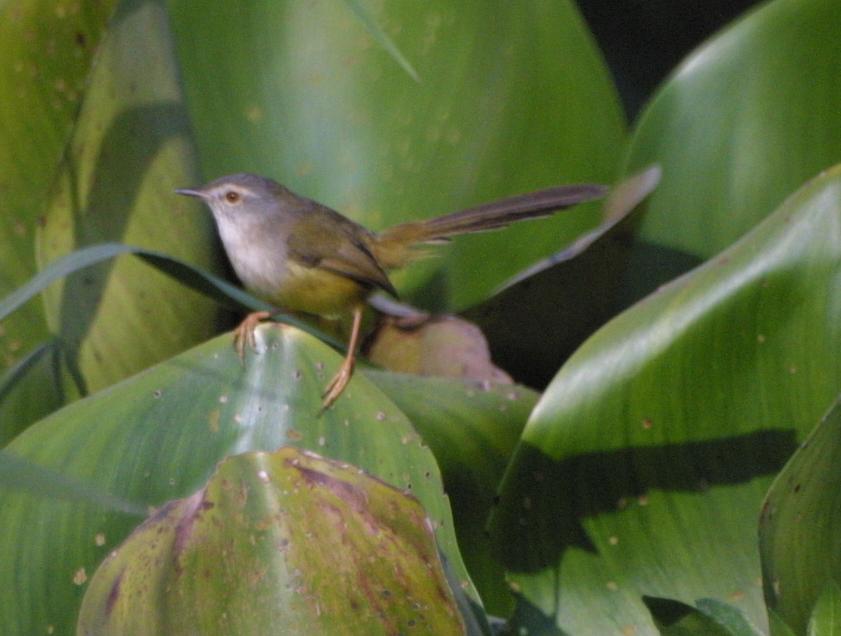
(261, 261)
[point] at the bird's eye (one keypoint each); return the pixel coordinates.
(231, 196)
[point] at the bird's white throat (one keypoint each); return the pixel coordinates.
(259, 263)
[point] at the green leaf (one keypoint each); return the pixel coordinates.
(799, 527)
(649, 454)
(158, 435)
(12, 420)
(381, 37)
(189, 275)
(18, 474)
(728, 616)
(78, 260)
(777, 626)
(285, 538)
(130, 149)
(744, 121)
(46, 50)
(826, 615)
(194, 277)
(472, 429)
(301, 93)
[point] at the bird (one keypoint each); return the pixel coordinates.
(300, 255)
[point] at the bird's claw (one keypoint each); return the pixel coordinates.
(244, 333)
(337, 385)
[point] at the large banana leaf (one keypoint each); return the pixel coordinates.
(642, 469)
(512, 97)
(158, 435)
(130, 149)
(45, 53)
(741, 124)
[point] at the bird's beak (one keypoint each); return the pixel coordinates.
(190, 192)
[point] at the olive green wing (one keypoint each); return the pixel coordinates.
(325, 239)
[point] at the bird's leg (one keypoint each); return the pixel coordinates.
(342, 377)
(244, 333)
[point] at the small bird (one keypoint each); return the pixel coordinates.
(303, 256)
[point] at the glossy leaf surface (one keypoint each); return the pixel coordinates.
(678, 412)
(742, 123)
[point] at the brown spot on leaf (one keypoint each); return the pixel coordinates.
(356, 497)
(114, 593)
(192, 509)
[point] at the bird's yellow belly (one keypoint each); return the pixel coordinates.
(316, 291)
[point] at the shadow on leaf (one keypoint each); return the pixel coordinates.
(542, 518)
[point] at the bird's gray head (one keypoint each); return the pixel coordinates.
(238, 194)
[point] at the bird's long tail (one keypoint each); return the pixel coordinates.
(394, 246)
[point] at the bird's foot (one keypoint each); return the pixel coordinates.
(337, 384)
(244, 333)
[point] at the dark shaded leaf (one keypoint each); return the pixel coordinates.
(12, 420)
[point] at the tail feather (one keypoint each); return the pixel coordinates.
(393, 246)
